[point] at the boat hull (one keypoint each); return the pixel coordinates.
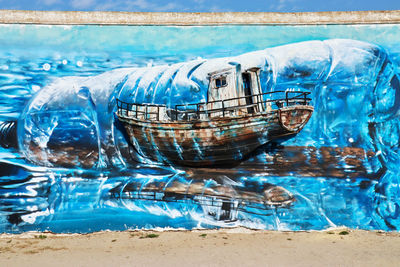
(224, 140)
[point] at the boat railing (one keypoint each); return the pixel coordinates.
(140, 111)
(250, 104)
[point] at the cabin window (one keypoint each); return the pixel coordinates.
(220, 82)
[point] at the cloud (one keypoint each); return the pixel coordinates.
(149, 6)
(78, 4)
(142, 4)
(136, 5)
(168, 7)
(283, 5)
(49, 2)
(104, 6)
(215, 8)
(41, 3)
(206, 6)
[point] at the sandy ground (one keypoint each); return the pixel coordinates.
(232, 247)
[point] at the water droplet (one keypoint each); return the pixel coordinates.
(46, 66)
(64, 62)
(351, 140)
(79, 63)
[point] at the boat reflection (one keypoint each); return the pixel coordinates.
(220, 198)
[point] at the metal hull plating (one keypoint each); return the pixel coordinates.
(223, 140)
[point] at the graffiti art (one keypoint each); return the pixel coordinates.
(265, 127)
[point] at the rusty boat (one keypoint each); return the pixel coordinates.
(235, 120)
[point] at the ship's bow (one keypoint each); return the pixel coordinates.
(294, 118)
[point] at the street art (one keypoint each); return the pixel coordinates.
(266, 127)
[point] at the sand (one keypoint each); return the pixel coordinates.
(229, 247)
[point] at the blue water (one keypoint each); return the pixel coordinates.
(356, 106)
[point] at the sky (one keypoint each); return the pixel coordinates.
(202, 5)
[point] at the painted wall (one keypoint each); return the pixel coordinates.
(72, 169)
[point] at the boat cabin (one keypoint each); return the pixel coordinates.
(232, 92)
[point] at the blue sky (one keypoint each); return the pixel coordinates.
(202, 5)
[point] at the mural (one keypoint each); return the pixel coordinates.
(266, 127)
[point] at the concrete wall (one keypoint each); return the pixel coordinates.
(158, 18)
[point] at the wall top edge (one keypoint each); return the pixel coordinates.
(170, 18)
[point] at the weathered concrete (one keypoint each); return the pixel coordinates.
(158, 18)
